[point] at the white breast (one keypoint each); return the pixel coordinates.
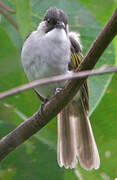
(45, 56)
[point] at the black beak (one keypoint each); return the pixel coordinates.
(60, 25)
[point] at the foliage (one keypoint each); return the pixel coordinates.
(38, 155)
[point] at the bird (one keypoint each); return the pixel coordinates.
(52, 49)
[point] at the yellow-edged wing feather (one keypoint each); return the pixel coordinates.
(76, 58)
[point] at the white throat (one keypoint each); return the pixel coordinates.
(57, 35)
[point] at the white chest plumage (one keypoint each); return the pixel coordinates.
(46, 55)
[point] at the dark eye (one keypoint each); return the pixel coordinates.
(48, 21)
(51, 21)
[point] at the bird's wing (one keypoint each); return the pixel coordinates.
(76, 58)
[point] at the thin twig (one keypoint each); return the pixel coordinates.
(58, 102)
(9, 19)
(54, 79)
(2, 5)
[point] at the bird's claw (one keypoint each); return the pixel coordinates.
(58, 90)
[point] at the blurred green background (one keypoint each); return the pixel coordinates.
(36, 158)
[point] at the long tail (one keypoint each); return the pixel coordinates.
(75, 138)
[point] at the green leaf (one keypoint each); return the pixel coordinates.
(23, 14)
(8, 60)
(9, 28)
(31, 160)
(103, 15)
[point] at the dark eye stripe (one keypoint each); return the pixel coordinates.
(51, 21)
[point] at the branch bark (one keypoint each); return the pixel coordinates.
(9, 19)
(53, 79)
(53, 107)
(2, 5)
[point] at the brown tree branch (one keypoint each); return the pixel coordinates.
(9, 19)
(53, 107)
(2, 5)
(54, 79)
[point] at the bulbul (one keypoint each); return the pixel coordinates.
(53, 50)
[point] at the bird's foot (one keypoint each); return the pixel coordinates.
(41, 108)
(58, 90)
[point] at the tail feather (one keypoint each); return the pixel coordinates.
(86, 147)
(75, 138)
(66, 136)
